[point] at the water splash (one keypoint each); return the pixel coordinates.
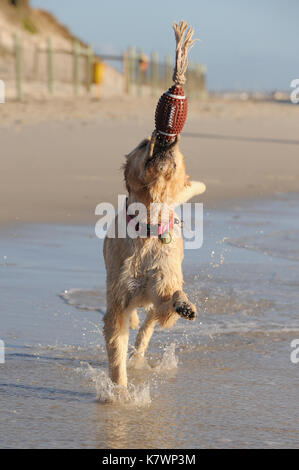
(169, 360)
(108, 392)
(138, 395)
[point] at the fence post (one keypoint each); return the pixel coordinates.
(36, 62)
(139, 74)
(168, 75)
(76, 67)
(2, 92)
(132, 69)
(198, 81)
(189, 87)
(90, 60)
(126, 72)
(154, 75)
(50, 67)
(18, 56)
(203, 81)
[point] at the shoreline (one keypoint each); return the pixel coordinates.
(87, 220)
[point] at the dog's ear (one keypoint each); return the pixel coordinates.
(140, 146)
(125, 168)
(191, 189)
(131, 164)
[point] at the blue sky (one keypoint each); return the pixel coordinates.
(246, 44)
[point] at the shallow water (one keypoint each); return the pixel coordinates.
(224, 381)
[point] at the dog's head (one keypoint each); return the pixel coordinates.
(158, 177)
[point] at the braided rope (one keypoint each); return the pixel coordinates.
(184, 41)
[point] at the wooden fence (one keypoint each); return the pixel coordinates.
(141, 72)
(48, 54)
(76, 65)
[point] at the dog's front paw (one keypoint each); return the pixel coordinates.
(186, 310)
(182, 306)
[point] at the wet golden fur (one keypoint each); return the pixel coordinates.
(144, 272)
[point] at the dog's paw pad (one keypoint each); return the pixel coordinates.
(186, 310)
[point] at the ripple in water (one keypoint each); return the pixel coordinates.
(84, 299)
(280, 244)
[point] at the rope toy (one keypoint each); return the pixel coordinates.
(172, 108)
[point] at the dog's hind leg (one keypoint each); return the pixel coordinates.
(143, 338)
(134, 320)
(116, 333)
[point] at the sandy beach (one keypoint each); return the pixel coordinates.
(78, 91)
(224, 381)
(60, 158)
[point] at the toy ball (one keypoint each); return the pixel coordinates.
(171, 113)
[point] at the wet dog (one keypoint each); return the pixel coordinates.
(146, 271)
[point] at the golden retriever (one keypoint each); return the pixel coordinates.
(146, 271)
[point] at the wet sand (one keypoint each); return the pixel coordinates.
(59, 159)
